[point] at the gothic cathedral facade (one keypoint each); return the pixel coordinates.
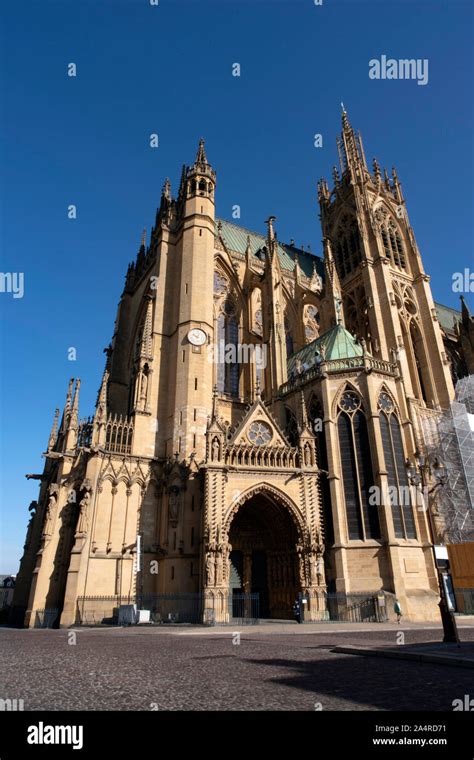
(258, 404)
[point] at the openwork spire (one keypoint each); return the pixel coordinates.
(201, 153)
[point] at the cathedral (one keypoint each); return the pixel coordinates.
(255, 396)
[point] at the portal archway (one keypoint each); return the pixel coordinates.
(264, 537)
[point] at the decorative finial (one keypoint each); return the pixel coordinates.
(258, 390)
(271, 231)
(166, 192)
(201, 154)
(143, 242)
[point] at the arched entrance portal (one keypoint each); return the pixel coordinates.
(263, 559)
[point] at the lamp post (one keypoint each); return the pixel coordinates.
(420, 472)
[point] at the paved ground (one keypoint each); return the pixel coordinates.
(202, 669)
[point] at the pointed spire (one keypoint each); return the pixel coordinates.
(376, 168)
(258, 390)
(304, 416)
(54, 431)
(67, 406)
(143, 241)
(270, 231)
(146, 341)
(75, 406)
(201, 153)
(352, 153)
(215, 393)
(397, 186)
(182, 183)
(101, 404)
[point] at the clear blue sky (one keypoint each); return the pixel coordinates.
(167, 69)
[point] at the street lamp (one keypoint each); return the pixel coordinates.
(421, 472)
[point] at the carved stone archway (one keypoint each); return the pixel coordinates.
(263, 547)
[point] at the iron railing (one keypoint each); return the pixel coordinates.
(171, 608)
(340, 607)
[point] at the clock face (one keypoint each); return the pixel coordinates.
(349, 401)
(197, 337)
(259, 433)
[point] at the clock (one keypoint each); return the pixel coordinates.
(197, 337)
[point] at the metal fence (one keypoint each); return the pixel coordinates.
(464, 600)
(171, 608)
(47, 618)
(342, 607)
(236, 608)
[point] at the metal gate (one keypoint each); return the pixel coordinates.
(244, 608)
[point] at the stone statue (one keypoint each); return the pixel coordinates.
(173, 504)
(83, 523)
(218, 563)
(209, 569)
(143, 387)
(53, 491)
(226, 550)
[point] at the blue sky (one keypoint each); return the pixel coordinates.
(168, 70)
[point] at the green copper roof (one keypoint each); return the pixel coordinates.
(448, 317)
(338, 343)
(235, 238)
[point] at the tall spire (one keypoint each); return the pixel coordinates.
(271, 237)
(352, 148)
(75, 406)
(304, 416)
(201, 153)
(100, 416)
(67, 406)
(54, 431)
